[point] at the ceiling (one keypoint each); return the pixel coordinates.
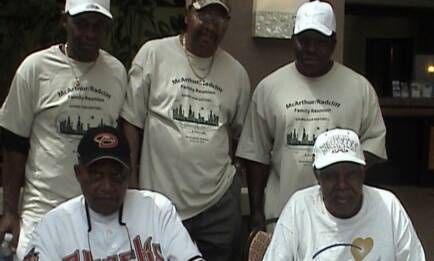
(397, 3)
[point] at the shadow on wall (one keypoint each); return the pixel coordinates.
(26, 26)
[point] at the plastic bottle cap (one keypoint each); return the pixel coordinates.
(8, 237)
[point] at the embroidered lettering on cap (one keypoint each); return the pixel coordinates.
(339, 143)
(92, 6)
(106, 140)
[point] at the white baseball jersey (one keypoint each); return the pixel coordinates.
(152, 230)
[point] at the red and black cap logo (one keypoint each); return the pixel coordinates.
(104, 143)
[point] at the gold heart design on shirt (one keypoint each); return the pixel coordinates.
(365, 246)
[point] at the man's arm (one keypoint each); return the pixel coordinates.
(373, 130)
(14, 150)
(177, 241)
(45, 243)
(135, 141)
(372, 159)
(257, 176)
(407, 243)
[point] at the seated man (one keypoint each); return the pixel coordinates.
(108, 221)
(342, 219)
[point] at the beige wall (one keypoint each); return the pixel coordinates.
(262, 56)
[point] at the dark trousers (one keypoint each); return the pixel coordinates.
(217, 230)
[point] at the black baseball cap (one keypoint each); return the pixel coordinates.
(104, 143)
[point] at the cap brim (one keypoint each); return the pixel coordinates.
(312, 26)
(83, 9)
(123, 162)
(327, 161)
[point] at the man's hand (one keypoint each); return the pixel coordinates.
(10, 223)
(257, 176)
(135, 140)
(257, 221)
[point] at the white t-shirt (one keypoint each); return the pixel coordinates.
(186, 124)
(288, 111)
(154, 228)
(44, 106)
(381, 230)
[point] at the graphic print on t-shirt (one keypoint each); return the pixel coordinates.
(196, 109)
(83, 109)
(147, 251)
(306, 119)
(359, 248)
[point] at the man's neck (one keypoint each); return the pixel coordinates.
(314, 74)
(197, 51)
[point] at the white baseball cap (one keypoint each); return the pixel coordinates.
(317, 16)
(337, 145)
(75, 7)
(199, 4)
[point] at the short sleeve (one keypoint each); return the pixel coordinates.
(18, 110)
(242, 104)
(178, 244)
(282, 246)
(135, 108)
(44, 242)
(407, 244)
(256, 140)
(373, 129)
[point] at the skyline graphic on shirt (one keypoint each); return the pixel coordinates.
(203, 116)
(78, 127)
(295, 139)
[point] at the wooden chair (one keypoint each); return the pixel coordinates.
(257, 244)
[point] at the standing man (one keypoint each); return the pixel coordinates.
(342, 219)
(110, 222)
(296, 103)
(190, 98)
(56, 95)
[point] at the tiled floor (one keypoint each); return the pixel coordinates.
(419, 203)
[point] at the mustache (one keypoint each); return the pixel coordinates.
(209, 33)
(341, 194)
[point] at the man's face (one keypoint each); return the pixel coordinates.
(85, 34)
(104, 184)
(205, 29)
(341, 187)
(313, 52)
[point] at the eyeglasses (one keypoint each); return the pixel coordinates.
(209, 18)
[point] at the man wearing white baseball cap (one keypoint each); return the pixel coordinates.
(75, 7)
(190, 98)
(342, 219)
(296, 103)
(56, 95)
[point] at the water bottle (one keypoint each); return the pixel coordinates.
(396, 89)
(5, 248)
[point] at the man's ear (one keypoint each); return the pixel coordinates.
(63, 19)
(334, 41)
(78, 172)
(316, 173)
(363, 169)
